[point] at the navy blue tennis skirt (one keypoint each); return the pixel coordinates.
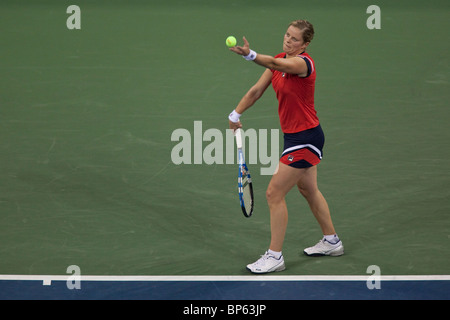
(303, 149)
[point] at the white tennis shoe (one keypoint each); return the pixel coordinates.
(267, 263)
(325, 248)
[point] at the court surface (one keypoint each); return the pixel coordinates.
(87, 120)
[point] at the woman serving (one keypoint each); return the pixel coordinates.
(292, 75)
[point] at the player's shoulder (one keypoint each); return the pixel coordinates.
(305, 56)
(309, 61)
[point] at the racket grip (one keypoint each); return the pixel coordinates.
(238, 135)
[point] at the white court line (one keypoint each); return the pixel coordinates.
(47, 278)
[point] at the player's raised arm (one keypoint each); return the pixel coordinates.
(292, 65)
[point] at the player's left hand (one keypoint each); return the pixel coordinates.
(244, 50)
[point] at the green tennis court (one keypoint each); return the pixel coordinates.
(87, 117)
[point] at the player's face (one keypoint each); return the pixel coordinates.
(293, 41)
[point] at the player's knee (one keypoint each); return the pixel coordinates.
(308, 191)
(269, 194)
(304, 192)
(272, 195)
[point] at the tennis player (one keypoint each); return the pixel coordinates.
(292, 74)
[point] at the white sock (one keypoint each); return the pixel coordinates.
(276, 254)
(331, 238)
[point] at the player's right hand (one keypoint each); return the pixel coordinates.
(235, 125)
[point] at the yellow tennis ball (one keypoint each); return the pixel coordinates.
(231, 41)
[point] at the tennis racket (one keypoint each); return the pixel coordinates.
(245, 187)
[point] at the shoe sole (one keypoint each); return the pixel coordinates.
(339, 251)
(277, 269)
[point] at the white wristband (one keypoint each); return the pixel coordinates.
(251, 56)
(234, 116)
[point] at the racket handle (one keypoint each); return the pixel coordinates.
(238, 135)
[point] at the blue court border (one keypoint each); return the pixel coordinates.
(224, 288)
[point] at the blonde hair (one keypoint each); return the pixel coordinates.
(306, 27)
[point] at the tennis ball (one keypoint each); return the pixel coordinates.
(231, 41)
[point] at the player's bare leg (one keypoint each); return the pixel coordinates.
(307, 185)
(330, 244)
(282, 181)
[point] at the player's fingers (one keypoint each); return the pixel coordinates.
(246, 44)
(238, 50)
(235, 50)
(235, 125)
